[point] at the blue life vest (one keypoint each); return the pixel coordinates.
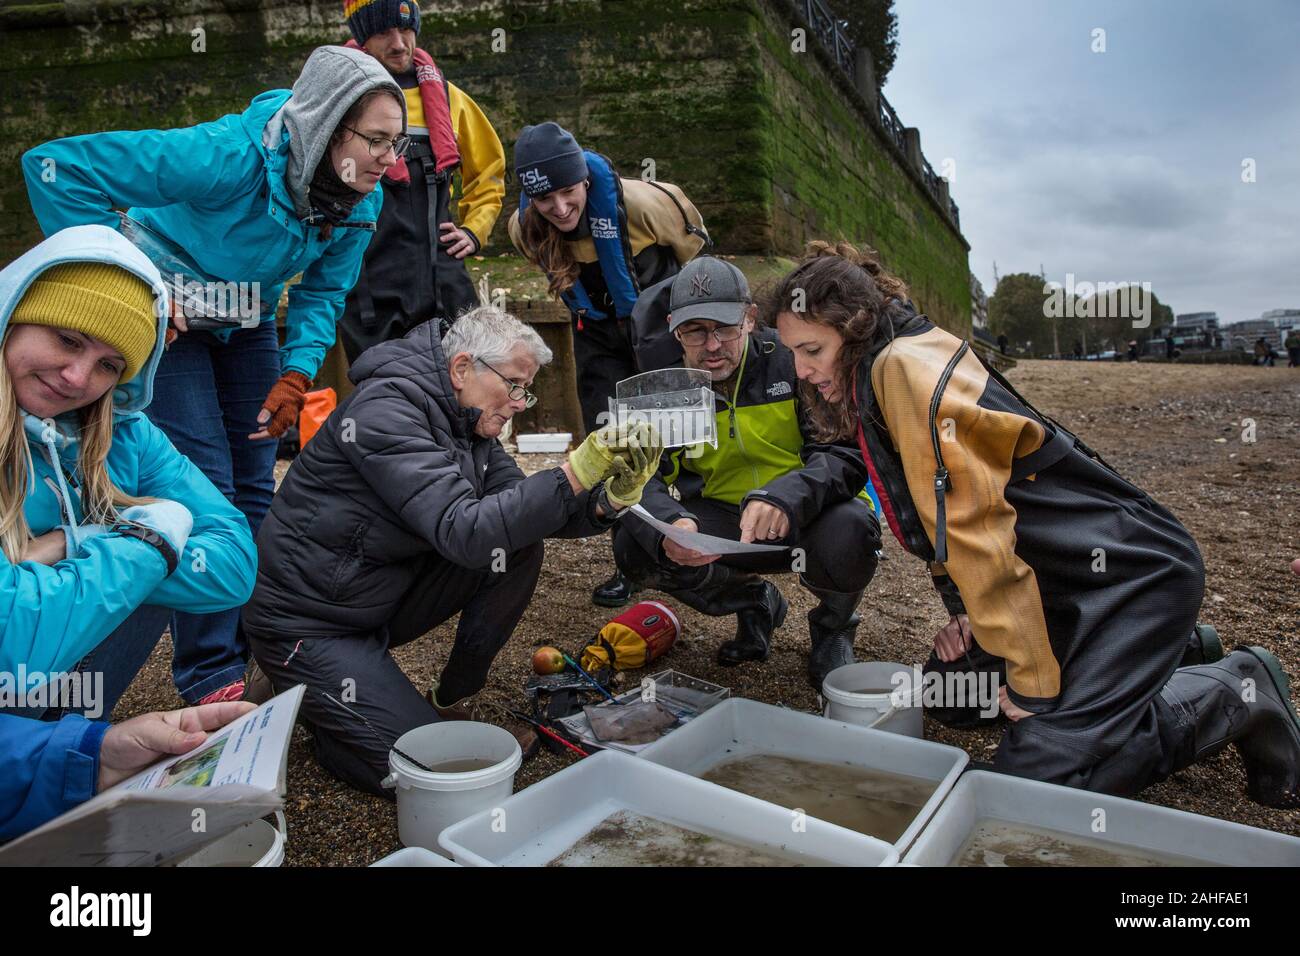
(608, 221)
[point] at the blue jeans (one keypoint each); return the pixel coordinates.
(107, 671)
(206, 398)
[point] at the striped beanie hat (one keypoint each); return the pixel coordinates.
(368, 17)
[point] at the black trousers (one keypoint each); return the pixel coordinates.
(837, 548)
(359, 701)
(602, 351)
(1121, 582)
(407, 278)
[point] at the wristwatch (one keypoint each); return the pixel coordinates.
(130, 529)
(600, 499)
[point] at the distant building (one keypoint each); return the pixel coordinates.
(1193, 331)
(1245, 334)
(1283, 317)
(1193, 322)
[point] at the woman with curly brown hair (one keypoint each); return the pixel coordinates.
(1066, 583)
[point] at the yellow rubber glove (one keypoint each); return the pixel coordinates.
(593, 460)
(635, 465)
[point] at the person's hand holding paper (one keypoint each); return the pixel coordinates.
(683, 555)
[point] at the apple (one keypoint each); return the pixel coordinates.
(548, 660)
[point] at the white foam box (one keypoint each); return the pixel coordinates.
(541, 822)
(742, 728)
(1131, 825)
(544, 443)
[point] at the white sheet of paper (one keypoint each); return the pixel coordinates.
(703, 543)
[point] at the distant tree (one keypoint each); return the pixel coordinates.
(1112, 317)
(1017, 308)
(872, 24)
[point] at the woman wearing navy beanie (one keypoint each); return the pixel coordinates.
(600, 239)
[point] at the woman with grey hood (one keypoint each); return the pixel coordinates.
(248, 201)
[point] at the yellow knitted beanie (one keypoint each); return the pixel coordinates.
(97, 299)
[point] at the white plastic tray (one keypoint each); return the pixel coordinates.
(1129, 824)
(539, 823)
(740, 727)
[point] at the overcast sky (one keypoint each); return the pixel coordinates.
(1122, 165)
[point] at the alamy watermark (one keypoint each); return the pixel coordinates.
(233, 302)
(76, 690)
(1098, 300)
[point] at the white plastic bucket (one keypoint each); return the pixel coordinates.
(255, 844)
(897, 710)
(429, 802)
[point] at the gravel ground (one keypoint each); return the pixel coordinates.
(1176, 431)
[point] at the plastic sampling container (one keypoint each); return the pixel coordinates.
(677, 401)
(544, 442)
(1125, 824)
(541, 822)
(740, 728)
(429, 801)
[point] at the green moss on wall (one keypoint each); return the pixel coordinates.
(762, 139)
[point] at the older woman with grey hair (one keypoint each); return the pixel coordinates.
(403, 511)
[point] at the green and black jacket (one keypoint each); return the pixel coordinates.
(766, 450)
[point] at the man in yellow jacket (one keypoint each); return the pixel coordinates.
(414, 268)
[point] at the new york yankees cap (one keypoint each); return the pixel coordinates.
(710, 289)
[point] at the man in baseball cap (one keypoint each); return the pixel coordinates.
(767, 482)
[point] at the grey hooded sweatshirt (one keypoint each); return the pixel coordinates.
(333, 78)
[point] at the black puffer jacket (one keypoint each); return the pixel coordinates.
(395, 478)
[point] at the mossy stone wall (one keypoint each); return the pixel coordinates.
(707, 94)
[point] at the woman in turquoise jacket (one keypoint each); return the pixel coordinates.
(104, 526)
(253, 198)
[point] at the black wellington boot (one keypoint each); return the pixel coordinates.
(718, 590)
(760, 610)
(1245, 699)
(1203, 646)
(832, 625)
(618, 591)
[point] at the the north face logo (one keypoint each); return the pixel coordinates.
(777, 389)
(701, 285)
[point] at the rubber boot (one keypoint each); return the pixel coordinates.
(832, 625)
(1203, 647)
(1245, 699)
(718, 590)
(760, 609)
(618, 591)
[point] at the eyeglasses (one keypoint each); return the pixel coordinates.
(516, 391)
(382, 144)
(697, 337)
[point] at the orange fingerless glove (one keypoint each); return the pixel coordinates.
(285, 402)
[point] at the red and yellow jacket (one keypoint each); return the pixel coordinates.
(946, 441)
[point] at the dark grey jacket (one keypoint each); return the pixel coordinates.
(394, 479)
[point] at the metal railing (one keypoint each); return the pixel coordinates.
(829, 31)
